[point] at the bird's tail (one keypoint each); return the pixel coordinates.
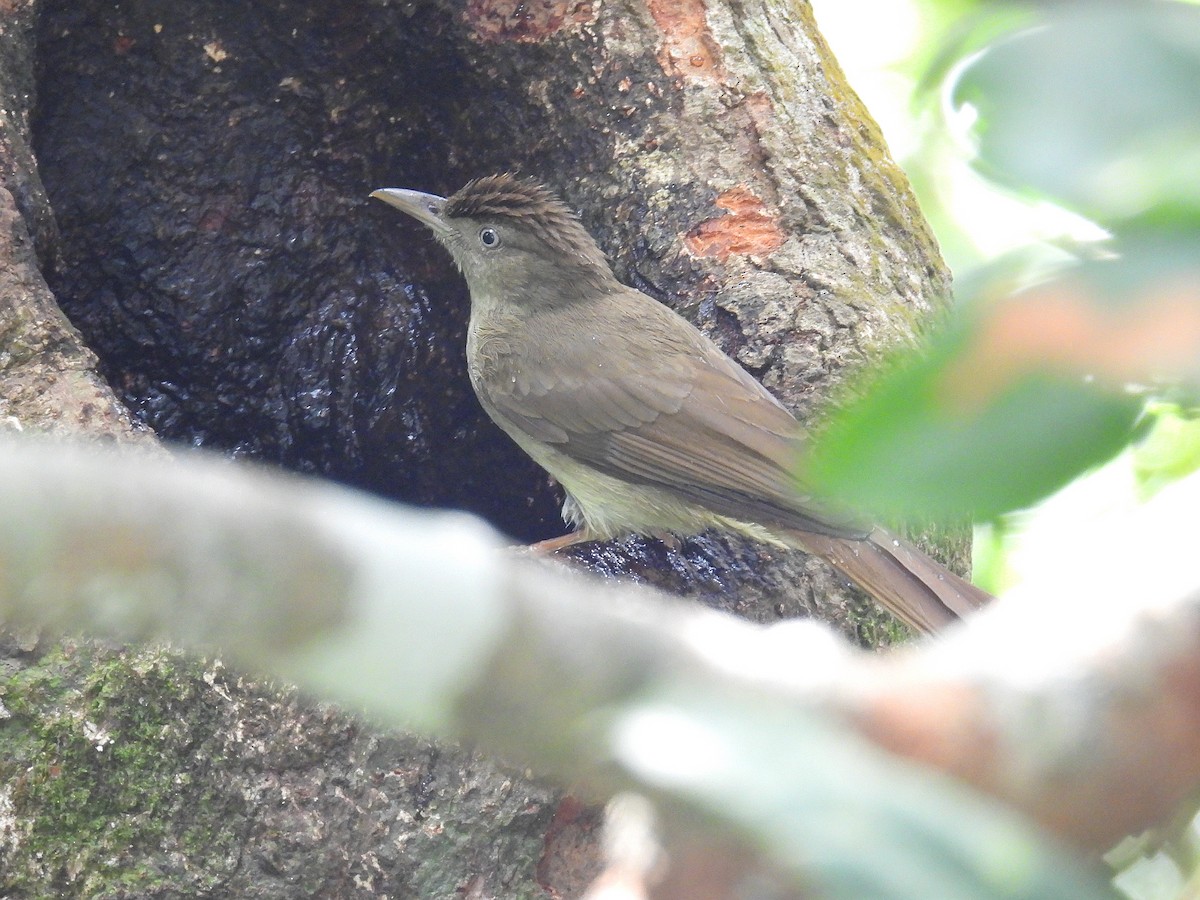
(919, 591)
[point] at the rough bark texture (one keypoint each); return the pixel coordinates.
(48, 378)
(146, 775)
(208, 164)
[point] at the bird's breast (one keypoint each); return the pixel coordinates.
(493, 342)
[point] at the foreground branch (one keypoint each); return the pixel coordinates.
(1087, 722)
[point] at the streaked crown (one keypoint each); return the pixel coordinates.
(530, 204)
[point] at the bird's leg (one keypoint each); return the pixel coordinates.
(552, 545)
(583, 536)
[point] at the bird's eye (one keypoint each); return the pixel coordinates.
(489, 238)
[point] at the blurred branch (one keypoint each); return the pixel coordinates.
(1073, 701)
(1077, 700)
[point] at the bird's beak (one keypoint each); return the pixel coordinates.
(425, 208)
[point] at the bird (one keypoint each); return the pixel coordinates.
(648, 426)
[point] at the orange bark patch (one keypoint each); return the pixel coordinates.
(748, 228)
(688, 48)
(525, 21)
(1062, 328)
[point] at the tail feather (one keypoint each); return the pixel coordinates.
(919, 591)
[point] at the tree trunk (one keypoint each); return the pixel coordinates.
(208, 165)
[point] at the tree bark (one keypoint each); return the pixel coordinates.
(208, 165)
(49, 380)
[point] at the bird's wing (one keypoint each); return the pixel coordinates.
(689, 420)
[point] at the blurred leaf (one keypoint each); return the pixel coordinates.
(1003, 410)
(990, 564)
(1128, 319)
(843, 815)
(1098, 107)
(947, 436)
(1025, 390)
(959, 29)
(1170, 449)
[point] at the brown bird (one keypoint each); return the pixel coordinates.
(642, 419)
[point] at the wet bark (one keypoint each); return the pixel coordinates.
(49, 379)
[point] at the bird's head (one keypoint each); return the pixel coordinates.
(510, 237)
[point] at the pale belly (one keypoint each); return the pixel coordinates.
(604, 507)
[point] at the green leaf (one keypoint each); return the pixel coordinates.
(940, 437)
(1169, 450)
(1098, 107)
(1024, 391)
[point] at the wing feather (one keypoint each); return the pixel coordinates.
(689, 421)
